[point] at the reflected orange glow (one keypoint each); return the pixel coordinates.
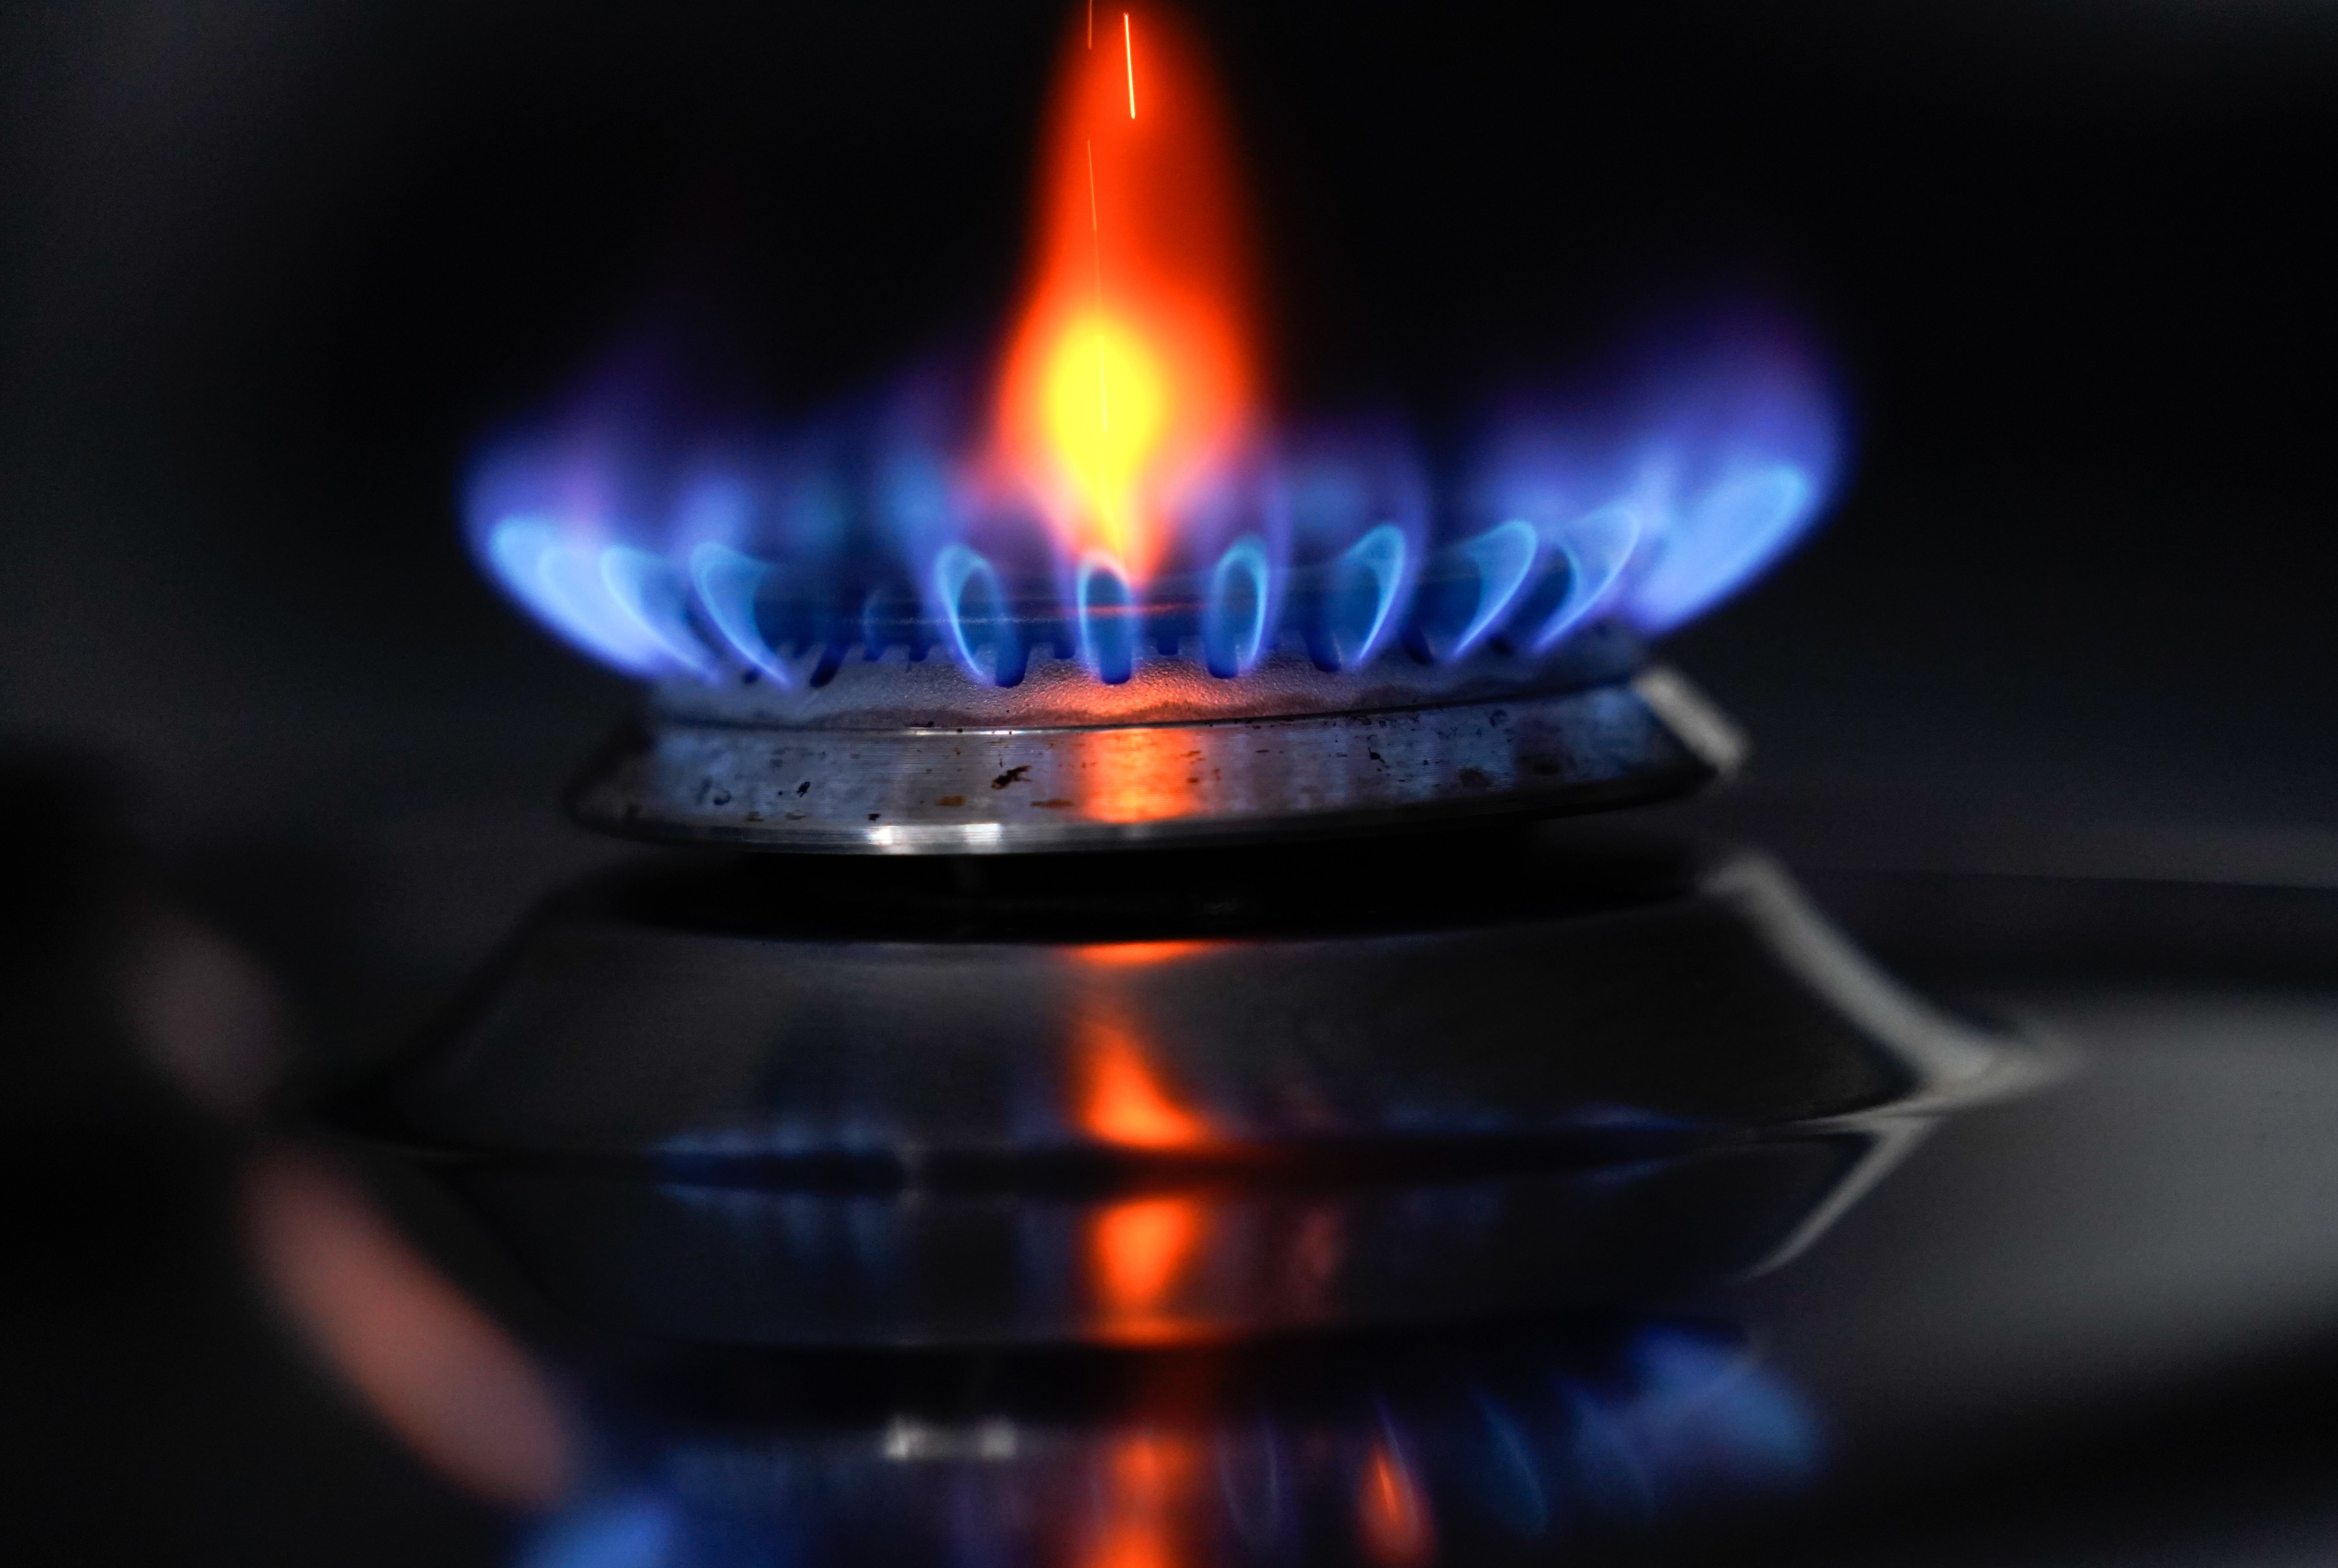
(1137, 1249)
(435, 1369)
(1138, 954)
(1140, 775)
(1140, 1248)
(1125, 1103)
(1146, 1483)
(1391, 1515)
(1127, 373)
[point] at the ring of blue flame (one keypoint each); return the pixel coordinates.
(771, 560)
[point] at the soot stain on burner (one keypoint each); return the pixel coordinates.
(949, 800)
(1475, 779)
(1012, 776)
(1053, 805)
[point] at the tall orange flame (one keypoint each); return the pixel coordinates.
(1128, 372)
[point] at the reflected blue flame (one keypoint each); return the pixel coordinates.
(1252, 1483)
(1707, 1417)
(1511, 1485)
(1508, 1446)
(624, 1532)
(1644, 498)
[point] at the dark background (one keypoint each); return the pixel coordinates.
(268, 271)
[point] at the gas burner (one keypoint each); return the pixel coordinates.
(1325, 1026)
(1100, 592)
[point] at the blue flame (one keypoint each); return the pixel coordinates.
(1476, 589)
(990, 628)
(1240, 608)
(1105, 610)
(1360, 592)
(1594, 550)
(1722, 538)
(1646, 498)
(728, 583)
(559, 578)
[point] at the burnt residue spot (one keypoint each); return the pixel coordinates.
(803, 789)
(1051, 805)
(1375, 756)
(1498, 716)
(1012, 776)
(874, 815)
(1475, 779)
(951, 800)
(721, 798)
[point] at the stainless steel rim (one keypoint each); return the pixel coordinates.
(962, 791)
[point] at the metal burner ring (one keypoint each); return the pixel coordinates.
(961, 792)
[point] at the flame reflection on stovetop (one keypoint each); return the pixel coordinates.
(1395, 1453)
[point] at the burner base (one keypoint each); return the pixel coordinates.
(1251, 1090)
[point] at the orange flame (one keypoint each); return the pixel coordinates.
(1127, 373)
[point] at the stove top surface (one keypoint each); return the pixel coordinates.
(2071, 1325)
